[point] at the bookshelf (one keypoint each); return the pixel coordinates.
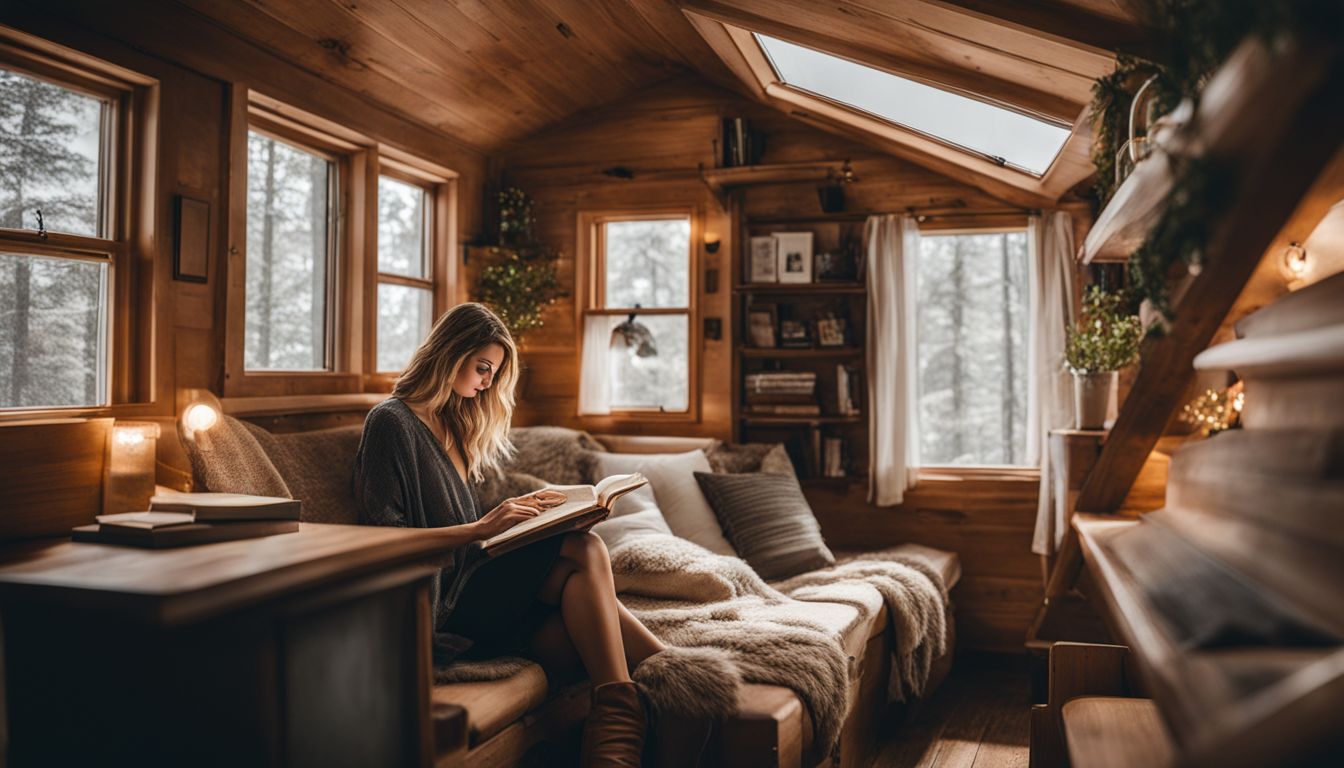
(805, 435)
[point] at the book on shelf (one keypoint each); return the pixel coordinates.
(216, 507)
(847, 382)
(833, 457)
(784, 409)
(180, 535)
(583, 506)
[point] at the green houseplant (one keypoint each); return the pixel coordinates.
(519, 278)
(1104, 339)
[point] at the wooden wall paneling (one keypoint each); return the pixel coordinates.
(52, 475)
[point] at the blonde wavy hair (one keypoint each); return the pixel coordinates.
(478, 425)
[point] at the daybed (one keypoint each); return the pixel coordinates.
(519, 719)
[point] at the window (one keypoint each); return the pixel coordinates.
(1002, 135)
(643, 266)
(971, 298)
(291, 243)
(405, 284)
(64, 145)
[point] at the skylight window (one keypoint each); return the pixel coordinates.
(1002, 135)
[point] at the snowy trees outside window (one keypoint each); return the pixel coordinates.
(53, 310)
(972, 329)
(405, 292)
(290, 228)
(648, 262)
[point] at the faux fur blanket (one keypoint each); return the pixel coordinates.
(692, 598)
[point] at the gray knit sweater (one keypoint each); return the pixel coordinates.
(403, 477)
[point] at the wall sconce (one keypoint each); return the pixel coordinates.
(1294, 262)
(199, 414)
(130, 463)
(711, 242)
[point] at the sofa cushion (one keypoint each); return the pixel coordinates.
(736, 458)
(768, 521)
(684, 508)
(230, 459)
(318, 467)
(556, 454)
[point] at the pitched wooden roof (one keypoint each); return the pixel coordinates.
(490, 73)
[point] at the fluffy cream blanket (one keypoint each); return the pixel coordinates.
(691, 597)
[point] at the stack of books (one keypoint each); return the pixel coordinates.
(182, 519)
(782, 393)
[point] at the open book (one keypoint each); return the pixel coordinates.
(584, 505)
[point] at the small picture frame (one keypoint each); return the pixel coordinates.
(191, 240)
(836, 265)
(793, 333)
(831, 331)
(762, 261)
(761, 325)
(794, 256)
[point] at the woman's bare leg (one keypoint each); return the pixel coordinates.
(552, 647)
(581, 584)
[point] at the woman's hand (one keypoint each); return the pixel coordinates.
(515, 510)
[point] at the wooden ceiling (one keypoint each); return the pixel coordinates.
(491, 72)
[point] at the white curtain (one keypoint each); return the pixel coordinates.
(893, 430)
(1049, 391)
(594, 378)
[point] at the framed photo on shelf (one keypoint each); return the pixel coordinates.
(761, 325)
(793, 333)
(794, 256)
(762, 261)
(831, 331)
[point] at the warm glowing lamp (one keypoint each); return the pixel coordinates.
(199, 414)
(131, 463)
(712, 242)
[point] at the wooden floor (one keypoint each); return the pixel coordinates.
(976, 719)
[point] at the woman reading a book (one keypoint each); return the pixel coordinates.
(445, 426)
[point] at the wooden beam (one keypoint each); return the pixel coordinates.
(1278, 152)
(1063, 23)
(978, 82)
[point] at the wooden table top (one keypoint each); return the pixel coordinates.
(189, 584)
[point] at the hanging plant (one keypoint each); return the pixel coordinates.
(1202, 190)
(520, 277)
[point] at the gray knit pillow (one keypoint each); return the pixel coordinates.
(768, 521)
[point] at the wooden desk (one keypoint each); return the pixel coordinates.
(309, 648)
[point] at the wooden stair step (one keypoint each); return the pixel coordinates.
(1311, 352)
(1287, 454)
(1111, 732)
(1317, 305)
(1310, 508)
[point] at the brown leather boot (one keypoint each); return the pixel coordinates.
(613, 734)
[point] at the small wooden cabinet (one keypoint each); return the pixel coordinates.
(310, 648)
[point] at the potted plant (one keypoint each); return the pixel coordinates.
(1103, 340)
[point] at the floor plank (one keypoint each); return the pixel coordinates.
(976, 719)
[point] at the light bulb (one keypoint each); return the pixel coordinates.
(200, 417)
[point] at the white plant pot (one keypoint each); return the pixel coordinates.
(1092, 398)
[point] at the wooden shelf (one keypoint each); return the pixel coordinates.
(1253, 103)
(785, 421)
(833, 288)
(721, 179)
(838, 483)
(800, 352)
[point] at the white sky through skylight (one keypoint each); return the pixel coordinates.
(1022, 141)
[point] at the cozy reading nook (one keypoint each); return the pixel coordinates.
(937, 383)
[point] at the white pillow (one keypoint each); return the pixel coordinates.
(616, 530)
(678, 495)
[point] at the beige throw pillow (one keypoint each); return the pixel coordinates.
(675, 491)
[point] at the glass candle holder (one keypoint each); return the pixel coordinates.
(130, 466)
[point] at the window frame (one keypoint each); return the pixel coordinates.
(125, 242)
(926, 472)
(397, 171)
(591, 282)
(353, 298)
